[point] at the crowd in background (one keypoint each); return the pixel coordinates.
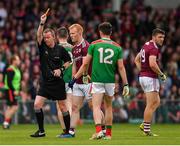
(132, 27)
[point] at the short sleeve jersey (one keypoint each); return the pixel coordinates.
(80, 51)
(149, 48)
(105, 54)
(51, 59)
(68, 72)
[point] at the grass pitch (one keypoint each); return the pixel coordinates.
(123, 134)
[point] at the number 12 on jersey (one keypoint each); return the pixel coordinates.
(107, 59)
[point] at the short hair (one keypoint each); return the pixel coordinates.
(13, 57)
(62, 32)
(158, 31)
(77, 26)
(49, 30)
(105, 28)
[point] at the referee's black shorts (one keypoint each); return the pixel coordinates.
(53, 90)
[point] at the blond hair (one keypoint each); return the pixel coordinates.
(77, 26)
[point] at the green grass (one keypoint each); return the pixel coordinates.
(122, 134)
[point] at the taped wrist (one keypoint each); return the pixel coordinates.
(62, 69)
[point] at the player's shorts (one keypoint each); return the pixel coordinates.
(149, 84)
(82, 90)
(10, 98)
(68, 89)
(107, 88)
(53, 90)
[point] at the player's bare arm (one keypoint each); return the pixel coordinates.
(122, 71)
(137, 61)
(41, 26)
(154, 66)
(84, 66)
(73, 69)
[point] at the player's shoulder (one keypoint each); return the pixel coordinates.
(97, 41)
(10, 69)
(116, 44)
(150, 45)
(85, 43)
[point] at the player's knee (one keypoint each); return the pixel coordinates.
(75, 108)
(37, 105)
(157, 102)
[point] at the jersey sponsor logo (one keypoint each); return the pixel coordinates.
(56, 57)
(78, 58)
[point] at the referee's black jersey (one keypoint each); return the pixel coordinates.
(51, 59)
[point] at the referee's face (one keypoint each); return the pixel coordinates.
(49, 39)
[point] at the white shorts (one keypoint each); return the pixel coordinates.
(107, 88)
(149, 84)
(68, 89)
(82, 90)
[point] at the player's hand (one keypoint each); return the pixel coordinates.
(162, 76)
(57, 72)
(71, 83)
(125, 91)
(86, 79)
(16, 93)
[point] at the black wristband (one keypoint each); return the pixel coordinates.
(74, 78)
(126, 85)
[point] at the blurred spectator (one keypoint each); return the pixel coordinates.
(132, 26)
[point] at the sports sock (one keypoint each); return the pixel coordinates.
(147, 126)
(108, 130)
(64, 130)
(66, 117)
(40, 119)
(8, 120)
(103, 127)
(98, 128)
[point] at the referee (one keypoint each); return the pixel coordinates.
(54, 59)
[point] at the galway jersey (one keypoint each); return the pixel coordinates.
(80, 51)
(68, 72)
(105, 54)
(149, 48)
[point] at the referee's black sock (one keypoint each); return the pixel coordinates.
(40, 119)
(66, 117)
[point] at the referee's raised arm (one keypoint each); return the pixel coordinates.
(41, 27)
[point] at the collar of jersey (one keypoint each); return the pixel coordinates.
(63, 42)
(106, 39)
(154, 44)
(80, 43)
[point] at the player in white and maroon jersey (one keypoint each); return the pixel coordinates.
(82, 87)
(147, 63)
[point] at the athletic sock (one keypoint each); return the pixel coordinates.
(64, 130)
(40, 119)
(108, 130)
(66, 117)
(147, 126)
(7, 120)
(103, 127)
(98, 128)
